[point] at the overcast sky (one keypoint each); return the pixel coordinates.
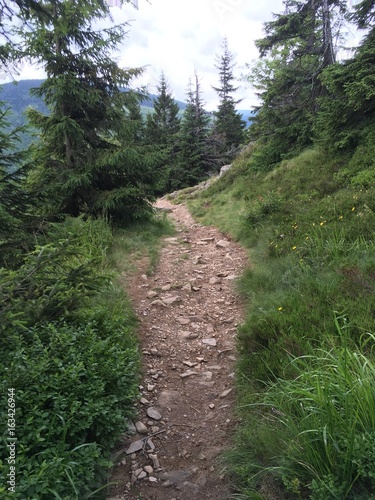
(180, 37)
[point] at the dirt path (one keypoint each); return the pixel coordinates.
(189, 312)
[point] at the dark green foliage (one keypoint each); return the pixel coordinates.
(348, 109)
(68, 349)
(17, 205)
(299, 46)
(228, 122)
(89, 160)
(198, 154)
(162, 127)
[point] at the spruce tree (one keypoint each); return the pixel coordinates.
(162, 126)
(196, 158)
(296, 49)
(164, 123)
(88, 159)
(228, 122)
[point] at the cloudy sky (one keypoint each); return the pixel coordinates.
(181, 37)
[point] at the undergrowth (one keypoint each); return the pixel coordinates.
(307, 429)
(69, 351)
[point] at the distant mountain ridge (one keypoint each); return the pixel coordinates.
(17, 97)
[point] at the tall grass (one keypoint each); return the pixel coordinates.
(323, 421)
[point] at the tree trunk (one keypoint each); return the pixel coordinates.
(329, 54)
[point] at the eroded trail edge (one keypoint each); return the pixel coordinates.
(189, 313)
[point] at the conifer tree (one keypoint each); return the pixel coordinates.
(298, 46)
(88, 161)
(196, 157)
(164, 123)
(228, 122)
(162, 126)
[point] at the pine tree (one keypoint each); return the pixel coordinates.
(298, 46)
(88, 159)
(228, 122)
(196, 158)
(164, 123)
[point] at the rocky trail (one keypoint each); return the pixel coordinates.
(188, 313)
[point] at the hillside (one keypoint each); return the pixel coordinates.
(309, 334)
(17, 96)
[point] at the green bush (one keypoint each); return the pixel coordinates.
(74, 385)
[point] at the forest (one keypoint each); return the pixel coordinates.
(299, 197)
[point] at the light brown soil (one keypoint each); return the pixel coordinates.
(188, 313)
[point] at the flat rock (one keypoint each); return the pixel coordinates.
(189, 335)
(153, 413)
(225, 393)
(211, 342)
(168, 398)
(187, 374)
(134, 447)
(183, 321)
(223, 244)
(158, 303)
(174, 477)
(171, 300)
(151, 294)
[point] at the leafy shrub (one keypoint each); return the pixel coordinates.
(74, 385)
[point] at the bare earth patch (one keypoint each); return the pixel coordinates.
(188, 314)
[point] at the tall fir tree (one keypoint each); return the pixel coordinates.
(164, 123)
(228, 122)
(88, 159)
(196, 157)
(162, 127)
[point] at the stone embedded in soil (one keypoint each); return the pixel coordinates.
(225, 393)
(134, 447)
(141, 428)
(151, 294)
(187, 374)
(211, 342)
(223, 244)
(168, 398)
(132, 429)
(155, 461)
(214, 281)
(189, 335)
(153, 413)
(183, 321)
(174, 477)
(171, 300)
(144, 401)
(158, 303)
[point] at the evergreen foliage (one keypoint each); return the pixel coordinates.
(88, 159)
(162, 127)
(298, 46)
(228, 122)
(195, 153)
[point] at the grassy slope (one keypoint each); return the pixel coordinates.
(309, 226)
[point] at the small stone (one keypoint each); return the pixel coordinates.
(189, 364)
(151, 294)
(144, 401)
(211, 342)
(134, 447)
(187, 287)
(207, 376)
(152, 479)
(183, 321)
(228, 320)
(171, 300)
(166, 288)
(223, 244)
(149, 469)
(211, 406)
(225, 393)
(187, 374)
(214, 281)
(150, 387)
(158, 303)
(189, 335)
(142, 475)
(141, 428)
(155, 461)
(153, 413)
(154, 351)
(150, 444)
(210, 328)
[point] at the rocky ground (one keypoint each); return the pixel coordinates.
(188, 314)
